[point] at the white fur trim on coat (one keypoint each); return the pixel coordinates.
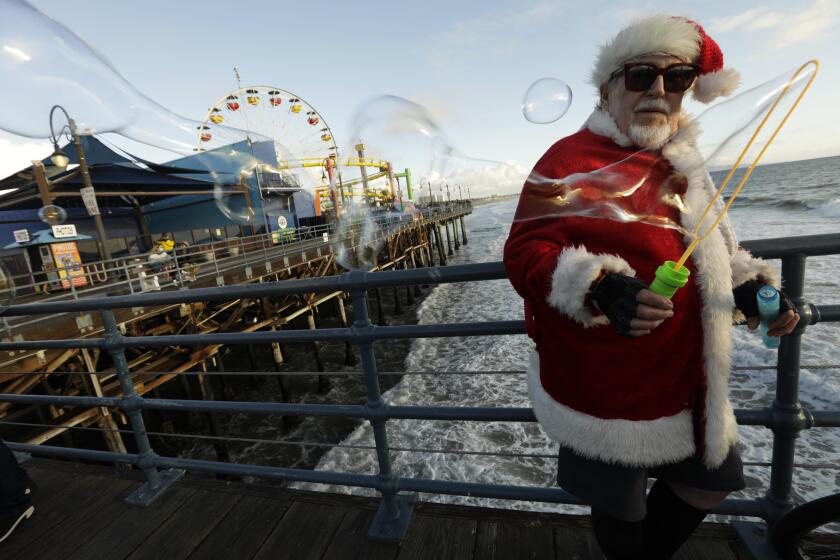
(576, 269)
(600, 122)
(628, 442)
(746, 267)
(655, 34)
(720, 83)
(711, 259)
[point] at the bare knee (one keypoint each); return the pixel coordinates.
(696, 497)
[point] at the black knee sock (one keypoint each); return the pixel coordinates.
(619, 540)
(669, 522)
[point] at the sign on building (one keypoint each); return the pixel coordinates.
(68, 262)
(64, 230)
(89, 198)
(21, 235)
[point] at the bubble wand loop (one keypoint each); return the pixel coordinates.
(671, 276)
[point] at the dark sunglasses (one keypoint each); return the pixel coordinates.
(639, 76)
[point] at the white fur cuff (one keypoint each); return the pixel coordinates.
(746, 267)
(576, 269)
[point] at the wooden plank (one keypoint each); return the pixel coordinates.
(129, 529)
(184, 530)
(50, 488)
(440, 538)
(88, 530)
(53, 504)
(244, 529)
(59, 541)
(350, 542)
(576, 543)
(303, 533)
(501, 541)
(704, 549)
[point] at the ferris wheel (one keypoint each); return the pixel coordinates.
(299, 132)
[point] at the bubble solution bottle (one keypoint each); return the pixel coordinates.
(768, 311)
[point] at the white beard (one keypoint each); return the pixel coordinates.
(647, 136)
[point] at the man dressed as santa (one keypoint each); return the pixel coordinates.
(632, 385)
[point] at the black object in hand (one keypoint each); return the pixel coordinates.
(746, 302)
(614, 295)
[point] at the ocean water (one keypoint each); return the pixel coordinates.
(788, 199)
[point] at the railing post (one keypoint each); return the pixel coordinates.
(392, 518)
(787, 418)
(156, 482)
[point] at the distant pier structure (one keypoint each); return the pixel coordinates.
(179, 227)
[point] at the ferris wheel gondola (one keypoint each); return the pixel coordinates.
(297, 129)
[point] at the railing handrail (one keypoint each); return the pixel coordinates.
(785, 417)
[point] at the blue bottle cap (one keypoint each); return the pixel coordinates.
(768, 293)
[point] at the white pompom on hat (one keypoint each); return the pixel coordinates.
(677, 36)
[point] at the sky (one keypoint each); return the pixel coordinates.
(468, 63)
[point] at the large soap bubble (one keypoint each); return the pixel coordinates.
(394, 140)
(642, 187)
(546, 100)
(43, 64)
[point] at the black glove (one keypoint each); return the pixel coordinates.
(614, 295)
(745, 299)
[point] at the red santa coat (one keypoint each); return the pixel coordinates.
(640, 401)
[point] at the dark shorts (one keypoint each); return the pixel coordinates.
(620, 491)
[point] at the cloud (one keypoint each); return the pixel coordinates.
(490, 34)
(486, 177)
(791, 27)
(15, 156)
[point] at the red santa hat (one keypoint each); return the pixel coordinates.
(677, 36)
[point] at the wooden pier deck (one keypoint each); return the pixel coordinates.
(80, 516)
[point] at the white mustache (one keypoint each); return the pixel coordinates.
(653, 104)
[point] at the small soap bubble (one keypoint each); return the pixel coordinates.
(52, 215)
(546, 100)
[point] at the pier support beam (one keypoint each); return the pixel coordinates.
(417, 291)
(463, 230)
(449, 252)
(323, 381)
(277, 355)
(113, 438)
(455, 233)
(349, 355)
(441, 251)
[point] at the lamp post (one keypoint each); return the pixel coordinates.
(430, 193)
(60, 157)
(448, 198)
(460, 194)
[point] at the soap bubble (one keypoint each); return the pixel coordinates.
(546, 100)
(358, 237)
(642, 186)
(389, 135)
(43, 64)
(7, 286)
(52, 215)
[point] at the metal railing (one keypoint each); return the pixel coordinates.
(785, 417)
